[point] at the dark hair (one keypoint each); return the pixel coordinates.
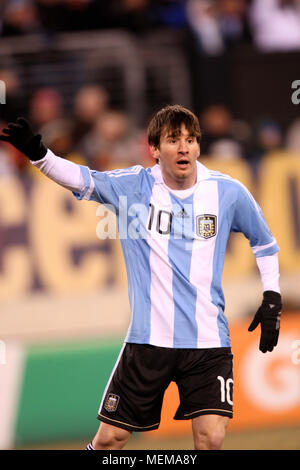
(171, 118)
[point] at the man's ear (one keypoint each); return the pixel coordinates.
(154, 152)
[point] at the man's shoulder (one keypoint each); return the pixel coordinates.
(229, 184)
(123, 172)
(120, 176)
(224, 178)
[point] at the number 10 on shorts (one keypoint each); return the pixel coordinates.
(226, 388)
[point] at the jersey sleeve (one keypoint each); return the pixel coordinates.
(249, 219)
(106, 187)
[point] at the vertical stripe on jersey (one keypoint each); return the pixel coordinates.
(202, 272)
(180, 254)
(139, 288)
(136, 252)
(162, 305)
(218, 261)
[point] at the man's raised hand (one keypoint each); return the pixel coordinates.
(21, 136)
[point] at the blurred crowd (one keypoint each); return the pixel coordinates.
(91, 133)
(216, 24)
(50, 16)
(94, 133)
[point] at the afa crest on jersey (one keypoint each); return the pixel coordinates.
(111, 402)
(206, 226)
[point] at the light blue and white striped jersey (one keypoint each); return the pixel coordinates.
(174, 245)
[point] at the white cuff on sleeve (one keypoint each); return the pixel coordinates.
(269, 272)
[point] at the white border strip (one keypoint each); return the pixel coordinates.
(111, 375)
(11, 381)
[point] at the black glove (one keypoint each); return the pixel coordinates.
(21, 136)
(268, 315)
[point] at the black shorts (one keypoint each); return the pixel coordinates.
(134, 394)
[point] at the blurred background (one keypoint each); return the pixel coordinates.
(89, 74)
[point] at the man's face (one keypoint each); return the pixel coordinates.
(177, 156)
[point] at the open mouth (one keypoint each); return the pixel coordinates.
(183, 163)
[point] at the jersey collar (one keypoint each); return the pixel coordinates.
(202, 173)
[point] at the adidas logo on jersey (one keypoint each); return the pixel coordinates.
(182, 214)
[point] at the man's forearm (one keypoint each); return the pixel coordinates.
(63, 172)
(269, 272)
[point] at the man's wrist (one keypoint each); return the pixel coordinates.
(35, 150)
(272, 296)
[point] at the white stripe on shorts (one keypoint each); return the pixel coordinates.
(111, 376)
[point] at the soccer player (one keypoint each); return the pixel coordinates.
(174, 221)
